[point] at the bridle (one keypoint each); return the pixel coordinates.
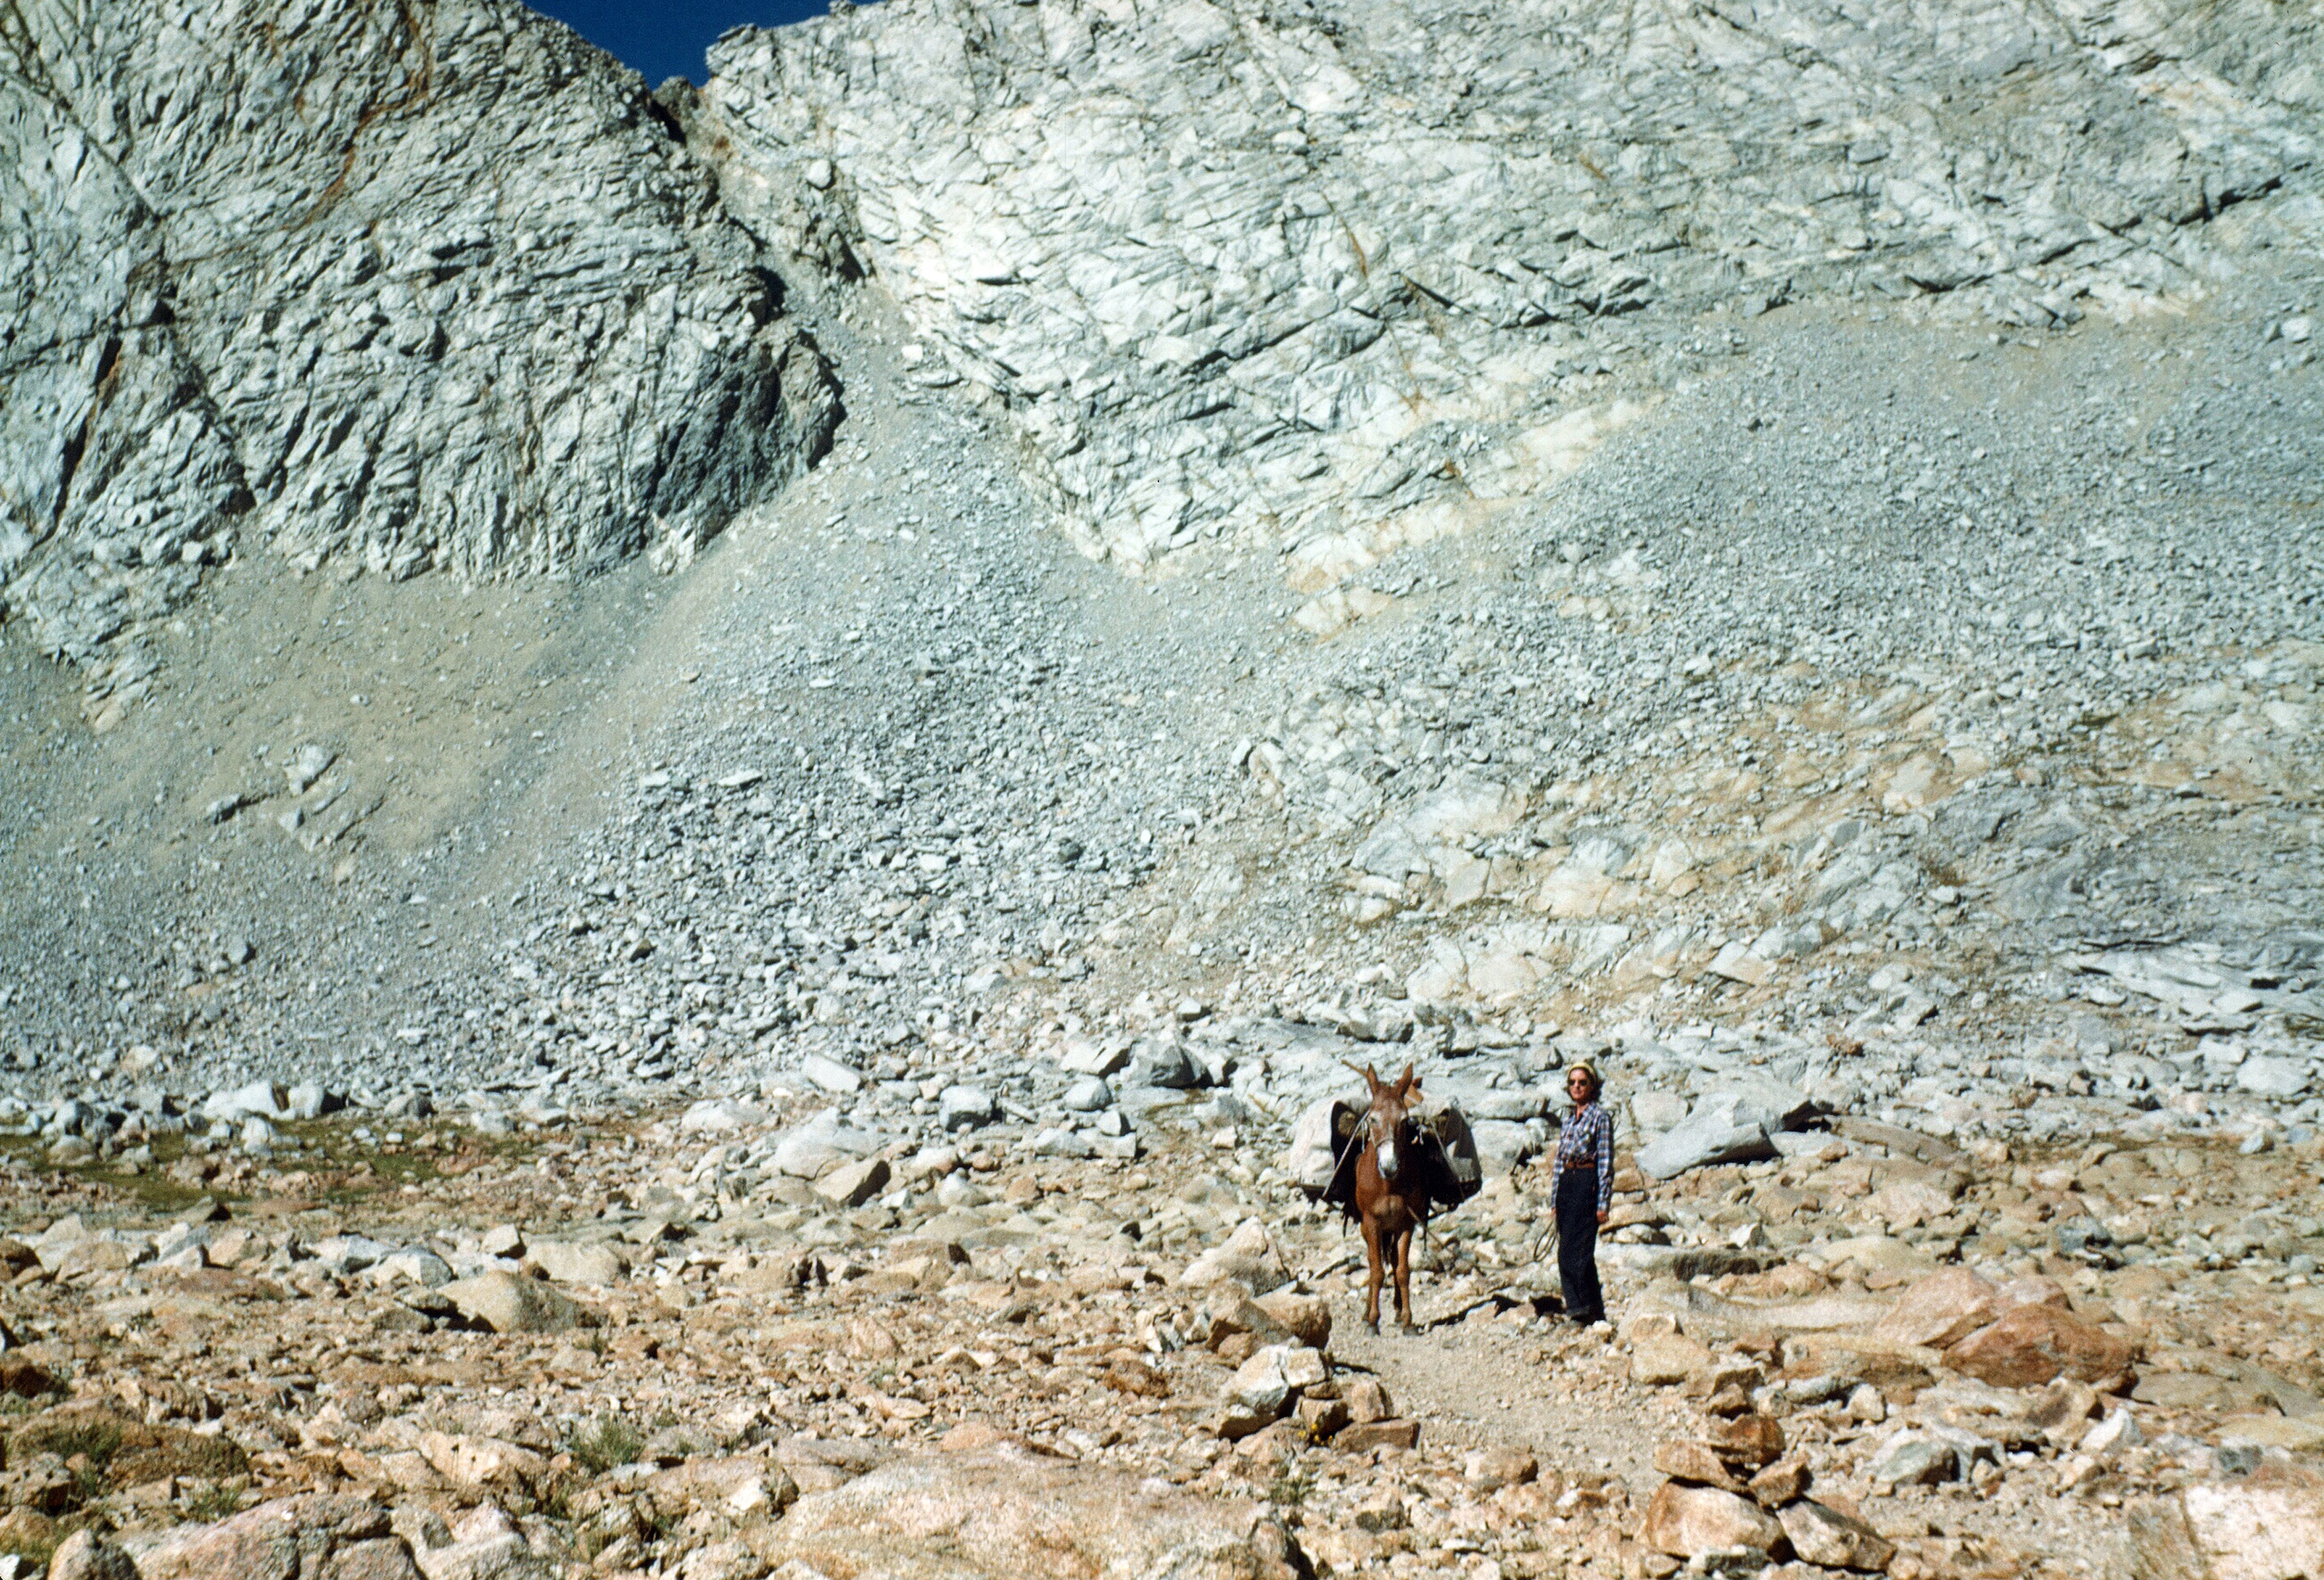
(1368, 1131)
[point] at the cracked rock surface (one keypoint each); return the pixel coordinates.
(1325, 276)
(381, 287)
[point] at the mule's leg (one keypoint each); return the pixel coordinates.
(1404, 1275)
(1372, 1251)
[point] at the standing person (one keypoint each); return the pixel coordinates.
(1585, 1185)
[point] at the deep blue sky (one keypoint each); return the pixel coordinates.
(666, 38)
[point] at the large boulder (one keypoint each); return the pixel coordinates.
(290, 1538)
(1860, 1358)
(596, 1264)
(739, 1487)
(1906, 1204)
(1307, 1317)
(831, 1075)
(1685, 1520)
(1247, 1257)
(2272, 1077)
(507, 1303)
(2261, 1526)
(2030, 1345)
(1662, 1359)
(1726, 1127)
(468, 1461)
(1314, 1149)
(961, 1107)
(485, 1544)
(822, 1143)
(721, 1116)
(1826, 1536)
(1746, 1442)
(1941, 1310)
(1160, 1059)
(1083, 1057)
(1004, 1513)
(262, 1099)
(1273, 1377)
(851, 1185)
(1684, 1459)
(86, 1555)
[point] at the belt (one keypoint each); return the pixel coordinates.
(1582, 1168)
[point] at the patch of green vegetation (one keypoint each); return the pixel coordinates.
(604, 1443)
(35, 1551)
(87, 1443)
(151, 1188)
(431, 1151)
(207, 1500)
(98, 1438)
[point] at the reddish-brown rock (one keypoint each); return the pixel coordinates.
(1128, 1374)
(1322, 1417)
(1489, 1470)
(1366, 1435)
(2032, 1289)
(2030, 1345)
(1747, 1441)
(26, 1379)
(1684, 1459)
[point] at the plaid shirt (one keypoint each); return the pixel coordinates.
(1587, 1141)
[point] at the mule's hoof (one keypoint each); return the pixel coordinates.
(1409, 1326)
(1372, 1323)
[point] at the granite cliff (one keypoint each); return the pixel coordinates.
(367, 288)
(1336, 278)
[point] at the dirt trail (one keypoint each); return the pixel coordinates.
(1492, 1366)
(1486, 1379)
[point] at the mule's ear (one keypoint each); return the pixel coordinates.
(1408, 1080)
(1371, 1079)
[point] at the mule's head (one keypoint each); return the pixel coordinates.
(1391, 1117)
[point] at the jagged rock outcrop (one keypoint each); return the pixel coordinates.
(371, 286)
(1346, 274)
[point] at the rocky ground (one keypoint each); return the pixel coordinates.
(803, 1032)
(696, 1345)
